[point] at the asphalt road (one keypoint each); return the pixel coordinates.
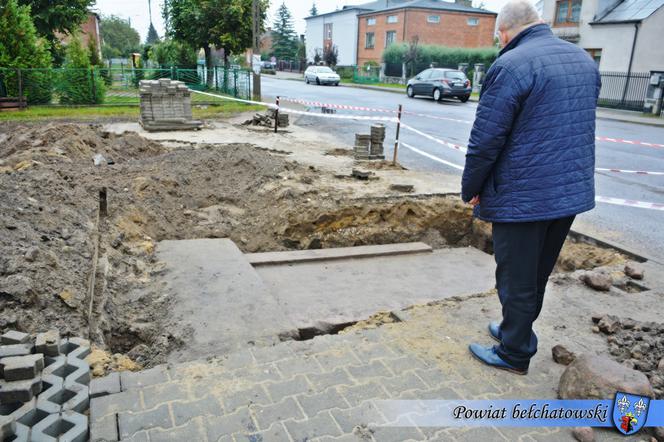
(639, 230)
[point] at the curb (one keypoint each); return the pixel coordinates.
(623, 120)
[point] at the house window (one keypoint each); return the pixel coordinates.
(433, 19)
(595, 54)
(369, 40)
(328, 31)
(371, 21)
(473, 21)
(392, 19)
(568, 12)
(390, 37)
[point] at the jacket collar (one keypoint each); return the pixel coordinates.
(528, 33)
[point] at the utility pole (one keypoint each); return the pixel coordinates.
(256, 73)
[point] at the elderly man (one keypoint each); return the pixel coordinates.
(530, 168)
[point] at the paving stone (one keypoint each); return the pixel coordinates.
(298, 365)
(154, 395)
(141, 436)
(400, 434)
(130, 423)
(313, 404)
(406, 363)
(365, 415)
(7, 427)
(357, 394)
(109, 384)
(321, 425)
(267, 415)
(324, 380)
(219, 426)
(52, 388)
(15, 350)
(185, 411)
(48, 343)
(19, 368)
(368, 352)
(194, 430)
(274, 353)
(331, 360)
(260, 373)
(441, 393)
(19, 391)
(253, 395)
(276, 433)
(105, 429)
(434, 377)
(239, 359)
(152, 376)
(373, 370)
(102, 406)
(399, 384)
(292, 387)
(14, 337)
(68, 426)
(75, 348)
(482, 433)
(344, 438)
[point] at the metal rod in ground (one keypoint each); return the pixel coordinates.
(396, 142)
(276, 116)
(103, 202)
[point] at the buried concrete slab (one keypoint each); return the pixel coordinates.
(323, 294)
(219, 296)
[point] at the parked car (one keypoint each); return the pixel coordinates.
(268, 65)
(439, 84)
(321, 75)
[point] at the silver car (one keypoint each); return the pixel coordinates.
(321, 75)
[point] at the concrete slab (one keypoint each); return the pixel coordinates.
(317, 294)
(220, 297)
(300, 256)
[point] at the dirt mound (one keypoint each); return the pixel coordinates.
(70, 143)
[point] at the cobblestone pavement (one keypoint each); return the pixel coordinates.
(324, 389)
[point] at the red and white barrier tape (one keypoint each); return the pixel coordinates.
(431, 157)
(224, 97)
(434, 139)
(434, 117)
(630, 203)
(336, 106)
(339, 117)
(636, 143)
(637, 172)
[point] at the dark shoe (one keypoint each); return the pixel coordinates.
(494, 330)
(489, 357)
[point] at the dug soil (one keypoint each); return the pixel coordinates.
(66, 265)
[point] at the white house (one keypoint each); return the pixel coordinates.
(622, 36)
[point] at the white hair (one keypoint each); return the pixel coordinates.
(517, 14)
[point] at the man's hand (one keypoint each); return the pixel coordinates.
(475, 201)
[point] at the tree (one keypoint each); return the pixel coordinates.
(330, 55)
(206, 24)
(314, 10)
(80, 83)
(174, 53)
(284, 38)
(119, 38)
(152, 36)
(57, 16)
(21, 48)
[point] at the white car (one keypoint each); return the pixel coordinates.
(321, 75)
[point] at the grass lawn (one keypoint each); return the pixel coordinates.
(35, 113)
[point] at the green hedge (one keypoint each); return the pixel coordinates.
(440, 56)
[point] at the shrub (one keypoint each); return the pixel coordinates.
(79, 82)
(439, 56)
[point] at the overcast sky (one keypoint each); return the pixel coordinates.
(137, 11)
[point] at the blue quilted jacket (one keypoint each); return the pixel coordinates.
(531, 154)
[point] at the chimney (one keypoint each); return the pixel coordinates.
(468, 3)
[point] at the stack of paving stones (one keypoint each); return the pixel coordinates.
(377, 140)
(166, 105)
(283, 118)
(44, 393)
(361, 150)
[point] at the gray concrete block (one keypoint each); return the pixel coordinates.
(240, 421)
(19, 391)
(357, 394)
(109, 384)
(276, 433)
(63, 427)
(69, 369)
(324, 380)
(292, 387)
(22, 434)
(319, 426)
(130, 423)
(48, 343)
(253, 395)
(267, 415)
(7, 427)
(152, 376)
(15, 350)
(103, 406)
(186, 411)
(315, 403)
(301, 365)
(192, 431)
(373, 370)
(363, 415)
(105, 430)
(399, 384)
(75, 348)
(77, 397)
(51, 386)
(14, 337)
(330, 361)
(162, 393)
(19, 368)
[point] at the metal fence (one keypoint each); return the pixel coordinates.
(115, 86)
(621, 91)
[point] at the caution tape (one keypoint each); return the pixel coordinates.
(336, 106)
(431, 157)
(637, 172)
(339, 117)
(225, 97)
(434, 139)
(636, 143)
(435, 117)
(629, 203)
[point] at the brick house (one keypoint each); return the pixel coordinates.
(89, 30)
(430, 21)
